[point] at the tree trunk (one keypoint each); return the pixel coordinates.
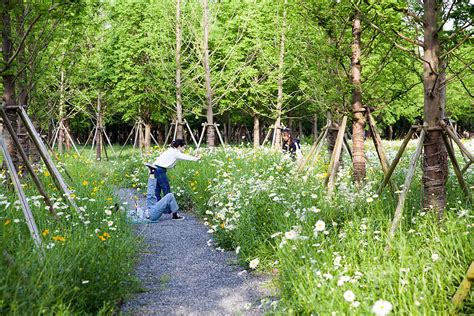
(390, 132)
(98, 139)
(256, 131)
(9, 96)
(300, 130)
(179, 108)
(148, 135)
(315, 127)
(211, 136)
(277, 136)
(358, 125)
(435, 156)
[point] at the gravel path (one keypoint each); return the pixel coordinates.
(183, 275)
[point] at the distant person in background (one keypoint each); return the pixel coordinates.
(290, 145)
(165, 161)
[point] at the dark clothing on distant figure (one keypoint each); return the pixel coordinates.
(291, 147)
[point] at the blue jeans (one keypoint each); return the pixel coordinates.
(162, 183)
(165, 205)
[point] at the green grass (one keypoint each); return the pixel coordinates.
(86, 262)
(255, 202)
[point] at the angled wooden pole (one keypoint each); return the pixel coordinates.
(30, 220)
(61, 185)
(379, 148)
(401, 199)
(126, 141)
(26, 162)
(458, 142)
(466, 167)
(57, 158)
(463, 289)
(191, 133)
(267, 136)
(219, 134)
(336, 154)
(204, 126)
(108, 141)
(396, 160)
(87, 141)
(457, 170)
(313, 148)
(71, 140)
(319, 148)
(169, 133)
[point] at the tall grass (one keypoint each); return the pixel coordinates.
(320, 248)
(86, 261)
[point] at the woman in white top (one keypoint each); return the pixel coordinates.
(159, 167)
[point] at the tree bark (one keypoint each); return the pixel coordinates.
(315, 127)
(179, 108)
(148, 135)
(211, 135)
(277, 137)
(435, 156)
(300, 129)
(358, 125)
(98, 140)
(256, 131)
(9, 96)
(390, 132)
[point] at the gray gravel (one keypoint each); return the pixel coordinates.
(182, 275)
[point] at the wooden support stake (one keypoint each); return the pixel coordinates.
(336, 154)
(267, 136)
(319, 148)
(347, 146)
(58, 159)
(457, 170)
(126, 141)
(108, 141)
(204, 126)
(459, 143)
(219, 134)
(169, 133)
(175, 130)
(379, 148)
(191, 133)
(29, 168)
(30, 221)
(466, 167)
(463, 289)
(61, 185)
(396, 160)
(401, 199)
(313, 148)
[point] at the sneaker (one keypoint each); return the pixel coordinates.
(151, 167)
(177, 217)
(146, 213)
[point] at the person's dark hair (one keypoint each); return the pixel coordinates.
(286, 130)
(177, 142)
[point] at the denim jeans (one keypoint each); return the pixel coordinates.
(162, 183)
(165, 205)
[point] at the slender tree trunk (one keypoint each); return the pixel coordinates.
(98, 140)
(179, 109)
(22, 82)
(68, 135)
(9, 96)
(315, 127)
(390, 132)
(358, 157)
(211, 136)
(435, 156)
(300, 129)
(148, 135)
(256, 131)
(281, 61)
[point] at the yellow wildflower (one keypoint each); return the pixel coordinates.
(95, 189)
(45, 232)
(222, 225)
(59, 238)
(109, 199)
(7, 222)
(46, 173)
(85, 183)
(102, 237)
(105, 234)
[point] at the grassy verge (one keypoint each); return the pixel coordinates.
(328, 253)
(86, 260)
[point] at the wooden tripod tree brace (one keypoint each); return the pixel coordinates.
(61, 185)
(464, 287)
(396, 160)
(30, 220)
(336, 154)
(456, 168)
(401, 200)
(313, 148)
(26, 162)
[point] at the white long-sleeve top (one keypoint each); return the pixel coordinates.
(170, 156)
